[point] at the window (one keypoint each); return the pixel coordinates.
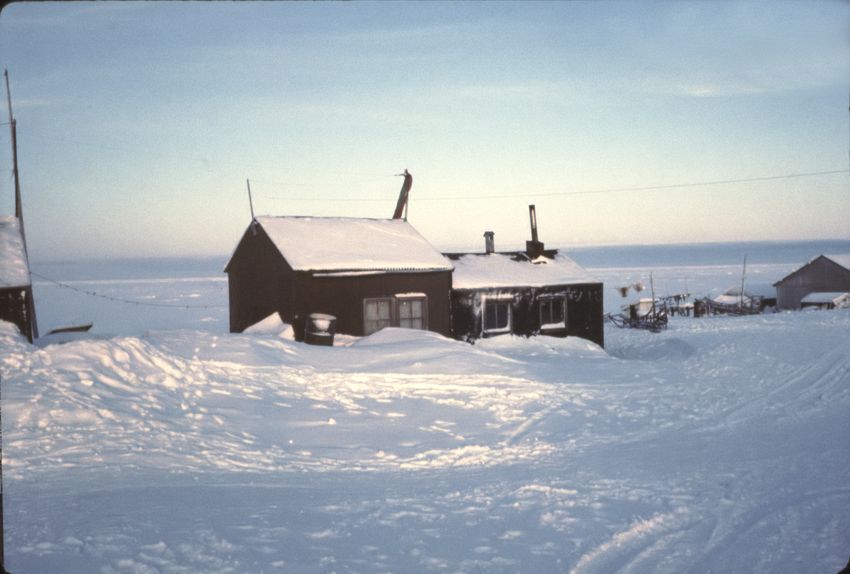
(497, 315)
(552, 313)
(409, 311)
(377, 314)
(412, 313)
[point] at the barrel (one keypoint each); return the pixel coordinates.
(320, 329)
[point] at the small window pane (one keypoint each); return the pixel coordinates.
(497, 316)
(552, 313)
(377, 314)
(411, 313)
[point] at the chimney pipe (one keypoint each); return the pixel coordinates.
(489, 243)
(532, 215)
(533, 248)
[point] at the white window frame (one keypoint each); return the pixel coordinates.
(548, 300)
(497, 300)
(366, 321)
(395, 315)
(412, 297)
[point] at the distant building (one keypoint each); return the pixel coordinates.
(536, 291)
(16, 300)
(368, 273)
(823, 274)
(826, 301)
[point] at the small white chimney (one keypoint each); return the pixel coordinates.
(489, 243)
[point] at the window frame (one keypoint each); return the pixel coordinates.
(366, 321)
(547, 301)
(421, 298)
(497, 300)
(395, 314)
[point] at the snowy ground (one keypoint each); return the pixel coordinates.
(720, 445)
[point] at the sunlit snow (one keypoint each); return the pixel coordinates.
(719, 445)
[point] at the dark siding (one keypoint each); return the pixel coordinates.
(258, 280)
(15, 309)
(584, 311)
(342, 296)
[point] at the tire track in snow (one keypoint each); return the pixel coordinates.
(624, 546)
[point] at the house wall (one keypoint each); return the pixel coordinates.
(259, 280)
(342, 297)
(15, 310)
(821, 275)
(584, 311)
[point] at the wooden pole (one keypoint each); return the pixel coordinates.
(18, 206)
(19, 209)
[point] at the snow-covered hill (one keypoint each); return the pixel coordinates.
(720, 445)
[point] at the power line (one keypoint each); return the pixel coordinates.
(580, 192)
(122, 300)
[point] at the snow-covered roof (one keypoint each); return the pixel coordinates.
(843, 260)
(825, 297)
(14, 271)
(765, 290)
(500, 270)
(344, 243)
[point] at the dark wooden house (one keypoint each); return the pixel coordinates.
(16, 300)
(535, 291)
(823, 274)
(368, 273)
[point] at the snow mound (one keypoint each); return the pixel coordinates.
(655, 349)
(399, 336)
(272, 325)
(188, 451)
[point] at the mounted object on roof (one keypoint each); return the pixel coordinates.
(401, 206)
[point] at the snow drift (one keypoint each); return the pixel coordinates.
(717, 446)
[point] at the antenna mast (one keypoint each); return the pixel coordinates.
(250, 201)
(13, 130)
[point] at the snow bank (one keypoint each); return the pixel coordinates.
(722, 449)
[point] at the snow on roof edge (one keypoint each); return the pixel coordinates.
(349, 244)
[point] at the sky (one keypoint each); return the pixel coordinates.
(140, 123)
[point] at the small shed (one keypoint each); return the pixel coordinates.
(826, 301)
(535, 291)
(823, 274)
(16, 300)
(368, 273)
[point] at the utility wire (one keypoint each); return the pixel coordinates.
(122, 300)
(580, 192)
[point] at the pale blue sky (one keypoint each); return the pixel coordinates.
(138, 123)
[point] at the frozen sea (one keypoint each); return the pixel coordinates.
(160, 443)
(133, 296)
